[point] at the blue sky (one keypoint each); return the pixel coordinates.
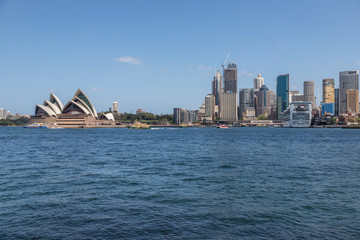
(158, 55)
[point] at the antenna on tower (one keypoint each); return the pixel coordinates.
(227, 57)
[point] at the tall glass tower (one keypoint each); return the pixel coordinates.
(282, 94)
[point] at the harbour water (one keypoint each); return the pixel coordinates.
(198, 183)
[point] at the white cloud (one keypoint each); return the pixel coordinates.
(128, 59)
(245, 73)
(96, 89)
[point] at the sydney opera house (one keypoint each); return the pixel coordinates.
(77, 113)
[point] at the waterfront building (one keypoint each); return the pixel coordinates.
(263, 105)
(2, 113)
(178, 114)
(193, 115)
(282, 94)
(328, 109)
(258, 82)
(209, 107)
(115, 107)
(217, 87)
(348, 80)
(249, 113)
(309, 93)
(228, 107)
(246, 99)
(336, 97)
(352, 101)
(78, 112)
(328, 90)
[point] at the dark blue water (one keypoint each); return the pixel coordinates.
(202, 183)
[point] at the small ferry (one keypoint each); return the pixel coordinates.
(222, 126)
(36, 125)
(139, 125)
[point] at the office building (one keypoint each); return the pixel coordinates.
(337, 99)
(209, 107)
(246, 99)
(352, 101)
(115, 107)
(228, 97)
(217, 86)
(272, 100)
(230, 81)
(228, 107)
(328, 90)
(347, 80)
(263, 105)
(328, 109)
(258, 82)
(282, 94)
(309, 93)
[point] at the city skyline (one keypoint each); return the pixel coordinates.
(125, 52)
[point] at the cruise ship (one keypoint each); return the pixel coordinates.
(297, 115)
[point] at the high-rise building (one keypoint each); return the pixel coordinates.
(258, 82)
(282, 94)
(230, 81)
(228, 97)
(115, 107)
(209, 107)
(328, 109)
(337, 99)
(272, 100)
(309, 93)
(352, 101)
(328, 90)
(246, 99)
(179, 115)
(217, 86)
(347, 80)
(228, 107)
(263, 105)
(2, 113)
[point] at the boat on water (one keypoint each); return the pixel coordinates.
(297, 115)
(222, 126)
(139, 125)
(36, 125)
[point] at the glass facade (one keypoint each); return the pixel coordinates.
(328, 109)
(282, 93)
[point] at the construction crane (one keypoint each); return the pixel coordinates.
(223, 65)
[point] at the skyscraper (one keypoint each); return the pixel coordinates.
(246, 99)
(115, 107)
(309, 93)
(217, 86)
(348, 80)
(209, 107)
(328, 90)
(228, 107)
(282, 94)
(258, 82)
(228, 97)
(263, 101)
(352, 101)
(230, 82)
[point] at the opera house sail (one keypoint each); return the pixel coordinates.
(78, 112)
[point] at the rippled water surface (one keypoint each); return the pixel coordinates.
(201, 183)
